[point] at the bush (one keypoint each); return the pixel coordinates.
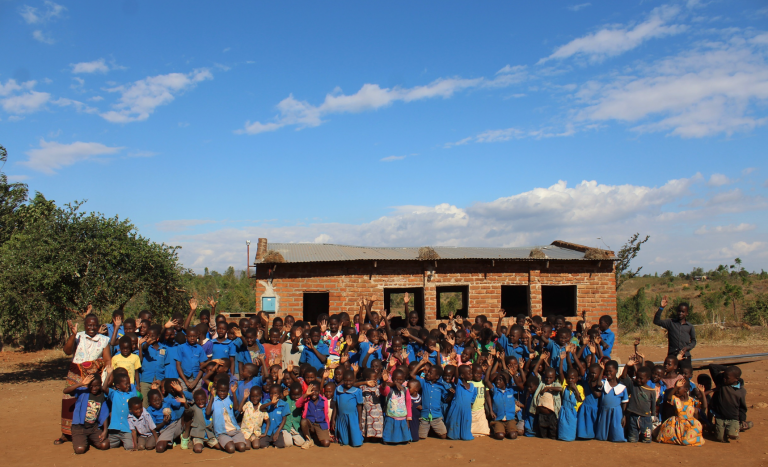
(631, 312)
(756, 312)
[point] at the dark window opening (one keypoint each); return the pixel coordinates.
(315, 304)
(454, 299)
(394, 301)
(514, 300)
(558, 300)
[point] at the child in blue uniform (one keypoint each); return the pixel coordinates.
(347, 418)
(613, 401)
(587, 413)
(459, 416)
(505, 411)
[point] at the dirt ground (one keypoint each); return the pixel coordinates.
(30, 392)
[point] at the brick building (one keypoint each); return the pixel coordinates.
(305, 280)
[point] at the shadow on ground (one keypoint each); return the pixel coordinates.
(55, 369)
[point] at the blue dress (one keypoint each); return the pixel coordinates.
(608, 427)
(529, 419)
(587, 416)
(568, 419)
(396, 427)
(347, 418)
(459, 417)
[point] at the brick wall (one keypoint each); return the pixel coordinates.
(346, 282)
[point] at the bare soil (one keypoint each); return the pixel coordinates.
(30, 393)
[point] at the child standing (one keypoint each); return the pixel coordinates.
(729, 402)
(373, 416)
(347, 419)
(613, 401)
(398, 406)
(573, 395)
(128, 360)
(642, 402)
(91, 413)
(414, 390)
(505, 410)
(459, 417)
(587, 413)
(119, 431)
(433, 395)
(253, 417)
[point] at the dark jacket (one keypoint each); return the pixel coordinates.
(728, 402)
(679, 336)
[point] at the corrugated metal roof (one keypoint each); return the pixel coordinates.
(317, 252)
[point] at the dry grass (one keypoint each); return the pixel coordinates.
(537, 253)
(709, 334)
(596, 253)
(427, 253)
(273, 257)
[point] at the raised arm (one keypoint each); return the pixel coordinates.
(192, 308)
(502, 314)
(657, 317)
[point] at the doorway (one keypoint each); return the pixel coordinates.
(394, 302)
(315, 304)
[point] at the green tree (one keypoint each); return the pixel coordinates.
(64, 260)
(12, 197)
(733, 293)
(626, 254)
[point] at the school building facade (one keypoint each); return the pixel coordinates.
(305, 280)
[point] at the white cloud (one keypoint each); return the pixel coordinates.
(714, 87)
(96, 98)
(21, 98)
(508, 134)
(392, 158)
(725, 229)
(17, 178)
(578, 7)
(77, 105)
(180, 224)
(615, 40)
(96, 66)
(142, 154)
(719, 180)
(51, 156)
(744, 248)
(34, 15)
(302, 114)
(226, 49)
(40, 36)
(139, 100)
(748, 171)
(580, 213)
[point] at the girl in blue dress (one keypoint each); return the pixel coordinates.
(347, 419)
(613, 401)
(397, 408)
(572, 396)
(459, 417)
(587, 414)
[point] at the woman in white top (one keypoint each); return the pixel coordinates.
(91, 354)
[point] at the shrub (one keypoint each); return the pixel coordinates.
(756, 312)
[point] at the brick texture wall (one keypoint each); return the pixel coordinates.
(346, 282)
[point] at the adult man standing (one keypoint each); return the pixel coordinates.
(681, 336)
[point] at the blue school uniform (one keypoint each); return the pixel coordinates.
(586, 418)
(221, 406)
(153, 364)
(567, 420)
(243, 355)
(529, 418)
(223, 349)
(276, 415)
(520, 352)
(191, 356)
(609, 338)
(396, 428)
(177, 408)
(118, 408)
(415, 417)
(309, 356)
(459, 417)
(504, 403)
(347, 419)
(82, 406)
(433, 396)
(171, 357)
(244, 387)
(609, 415)
(364, 351)
(554, 350)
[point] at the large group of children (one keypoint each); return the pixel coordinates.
(238, 386)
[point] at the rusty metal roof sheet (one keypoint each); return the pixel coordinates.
(316, 252)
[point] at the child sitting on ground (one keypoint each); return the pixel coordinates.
(683, 428)
(201, 429)
(91, 413)
(143, 431)
(225, 426)
(315, 417)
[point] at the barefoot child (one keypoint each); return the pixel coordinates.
(201, 429)
(315, 418)
(459, 416)
(613, 402)
(253, 417)
(347, 419)
(142, 427)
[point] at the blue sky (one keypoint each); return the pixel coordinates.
(418, 123)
